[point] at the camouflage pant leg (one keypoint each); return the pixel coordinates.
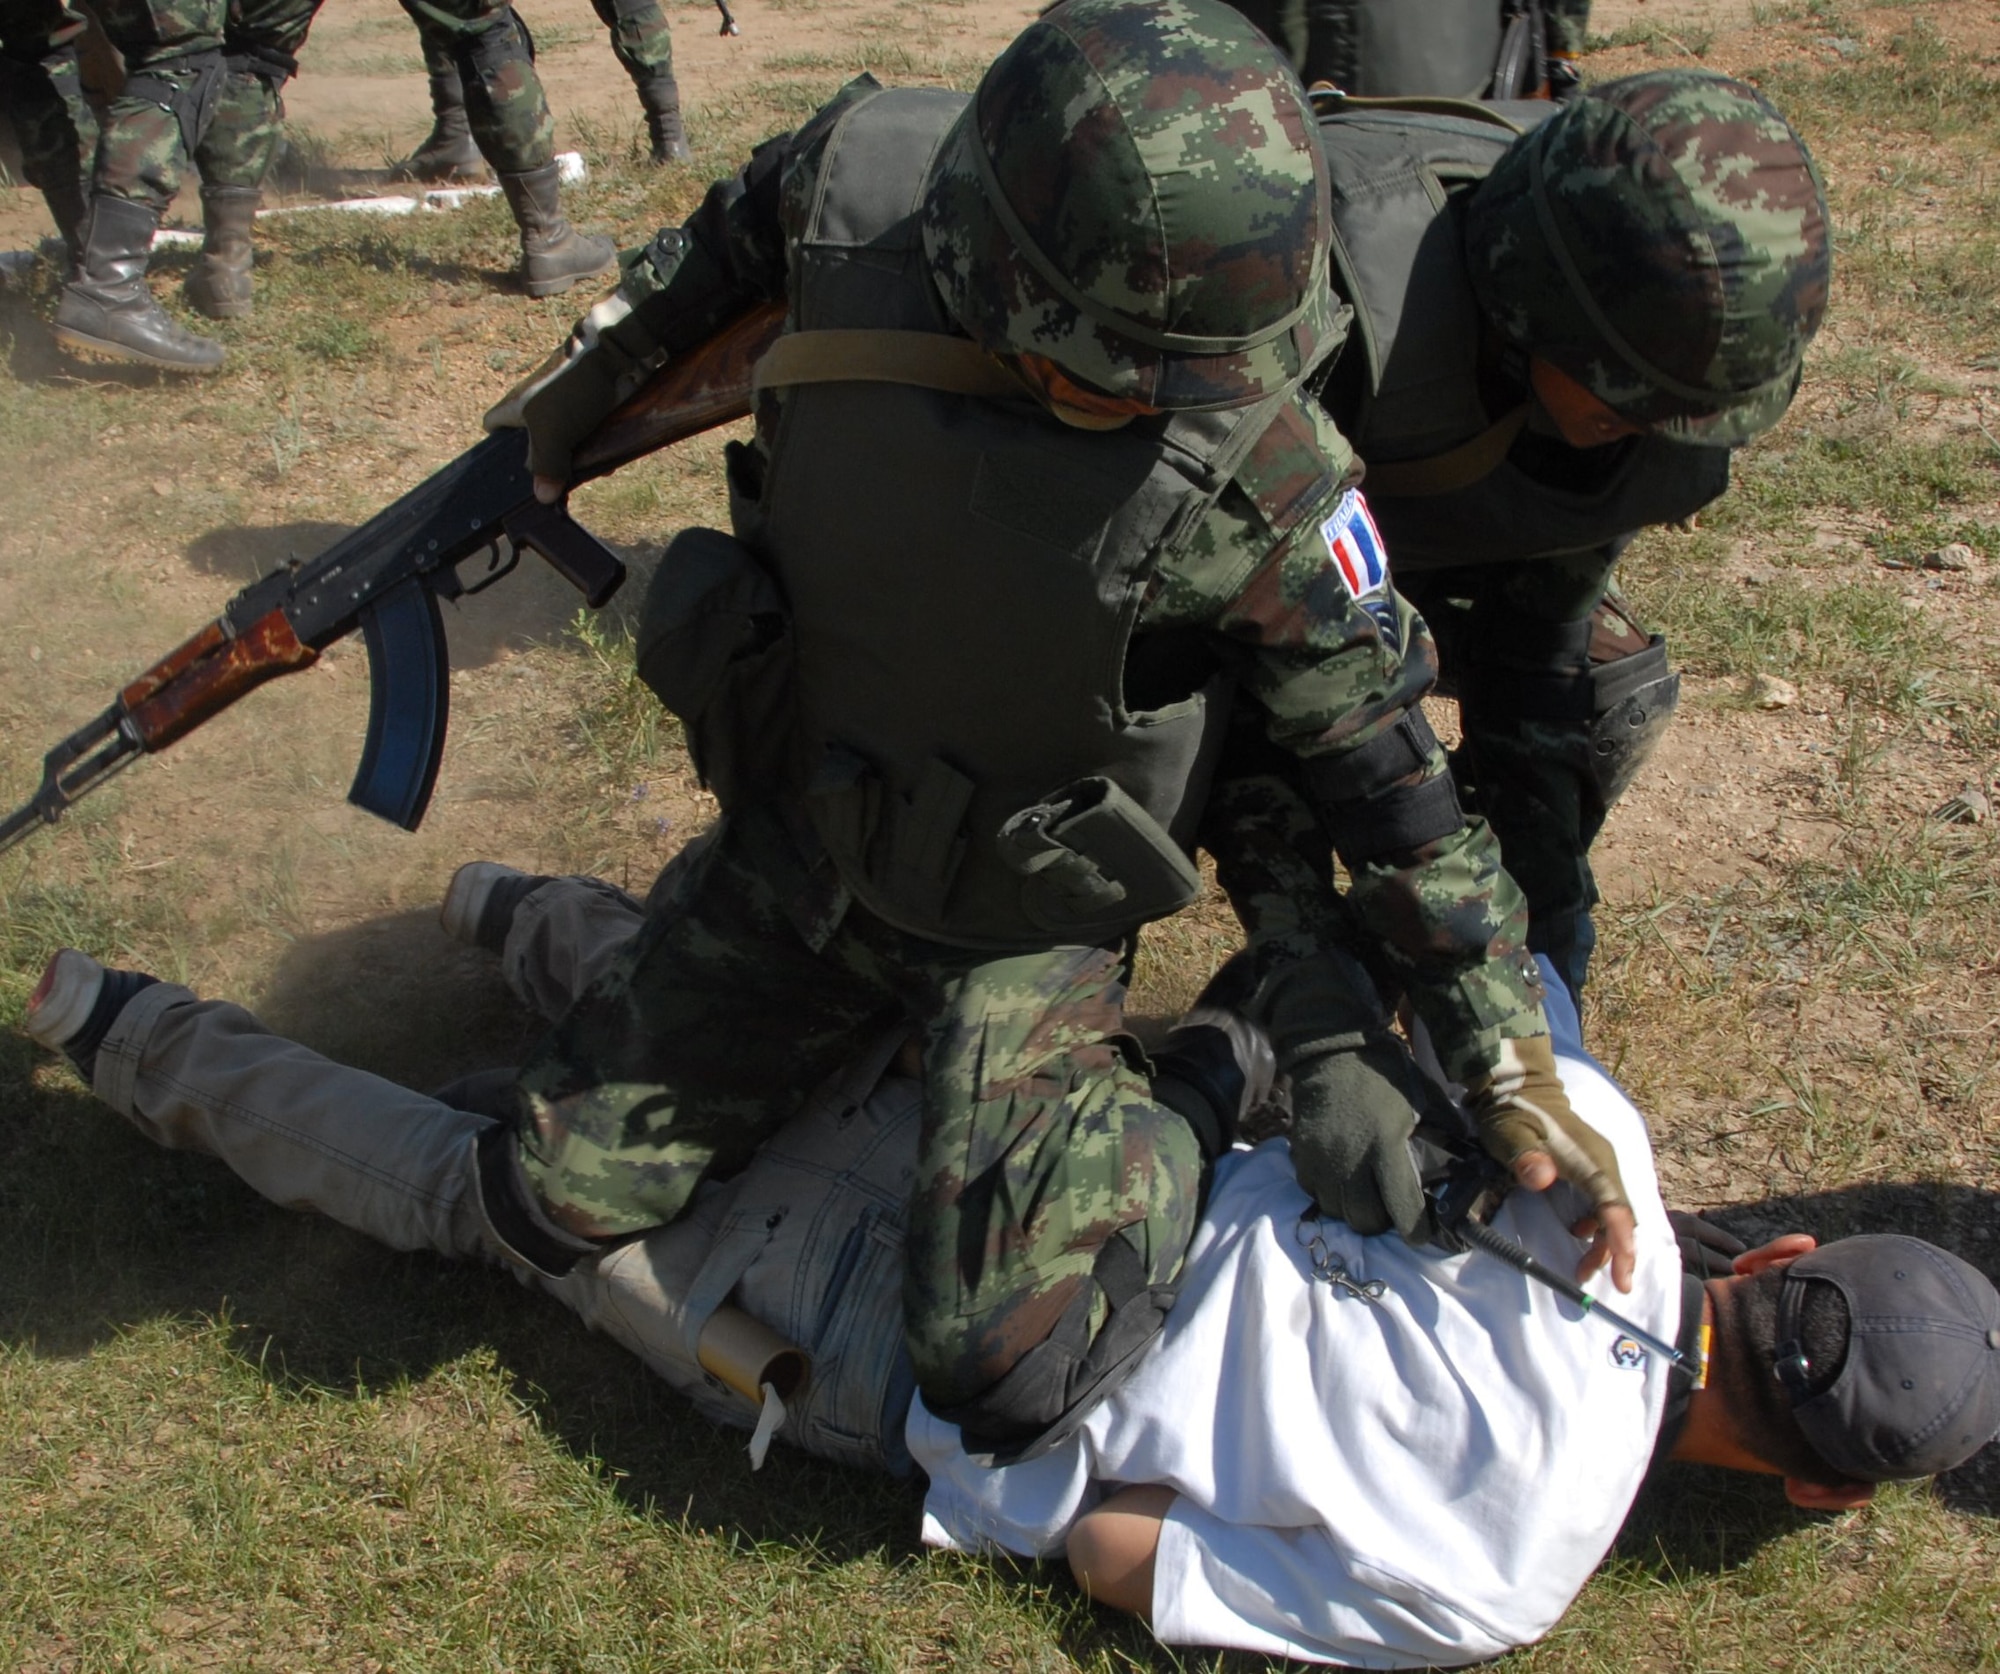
(704, 1035)
(173, 60)
(1041, 1143)
(504, 102)
(261, 45)
(639, 38)
(42, 86)
(1528, 771)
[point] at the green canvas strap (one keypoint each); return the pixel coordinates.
(926, 359)
(1446, 473)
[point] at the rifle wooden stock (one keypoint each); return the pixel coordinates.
(691, 393)
(280, 623)
(209, 673)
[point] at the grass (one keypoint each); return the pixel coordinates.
(232, 1437)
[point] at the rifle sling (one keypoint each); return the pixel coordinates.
(927, 359)
(1447, 472)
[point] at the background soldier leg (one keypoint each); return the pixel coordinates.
(261, 45)
(510, 121)
(639, 41)
(447, 152)
(1520, 663)
(41, 86)
(173, 60)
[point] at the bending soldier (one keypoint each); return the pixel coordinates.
(1034, 490)
(1558, 348)
(640, 41)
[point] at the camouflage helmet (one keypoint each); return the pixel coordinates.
(1664, 241)
(1134, 192)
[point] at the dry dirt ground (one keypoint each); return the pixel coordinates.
(234, 861)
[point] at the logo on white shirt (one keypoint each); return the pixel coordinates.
(1629, 1353)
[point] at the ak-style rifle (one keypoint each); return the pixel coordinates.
(385, 579)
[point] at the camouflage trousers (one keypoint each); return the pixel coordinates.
(1041, 1142)
(202, 82)
(1510, 645)
(261, 45)
(41, 86)
(640, 40)
(504, 102)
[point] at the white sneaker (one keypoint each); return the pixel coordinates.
(64, 999)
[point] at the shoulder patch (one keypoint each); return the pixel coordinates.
(1355, 546)
(1288, 469)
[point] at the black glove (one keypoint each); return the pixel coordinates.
(1353, 1112)
(1707, 1250)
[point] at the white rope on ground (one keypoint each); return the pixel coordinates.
(436, 201)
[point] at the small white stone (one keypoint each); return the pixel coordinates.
(1768, 691)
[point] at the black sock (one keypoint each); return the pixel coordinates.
(503, 900)
(119, 987)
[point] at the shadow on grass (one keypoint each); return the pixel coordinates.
(100, 1231)
(531, 606)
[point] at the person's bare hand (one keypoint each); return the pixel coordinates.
(1612, 1230)
(549, 490)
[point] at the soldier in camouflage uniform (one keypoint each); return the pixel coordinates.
(640, 42)
(1564, 353)
(261, 43)
(202, 81)
(482, 61)
(42, 88)
(1035, 491)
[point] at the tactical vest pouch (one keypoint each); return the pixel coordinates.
(715, 646)
(1094, 862)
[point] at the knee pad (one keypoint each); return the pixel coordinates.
(1047, 1394)
(1632, 700)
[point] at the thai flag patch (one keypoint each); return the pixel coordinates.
(1355, 545)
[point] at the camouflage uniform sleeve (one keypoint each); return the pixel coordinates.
(1333, 676)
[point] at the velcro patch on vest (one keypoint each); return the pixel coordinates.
(1355, 546)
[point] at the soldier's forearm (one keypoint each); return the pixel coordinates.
(1453, 927)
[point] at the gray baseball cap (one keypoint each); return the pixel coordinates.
(1918, 1391)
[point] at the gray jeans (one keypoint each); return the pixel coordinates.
(808, 1239)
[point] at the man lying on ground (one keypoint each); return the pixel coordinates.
(1340, 1447)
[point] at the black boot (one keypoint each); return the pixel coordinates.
(660, 98)
(219, 283)
(71, 209)
(554, 255)
(108, 309)
(449, 153)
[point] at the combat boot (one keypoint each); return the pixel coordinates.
(219, 283)
(449, 153)
(660, 98)
(107, 309)
(554, 255)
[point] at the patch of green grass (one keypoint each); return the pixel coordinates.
(1915, 83)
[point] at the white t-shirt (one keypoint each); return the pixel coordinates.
(1426, 1479)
